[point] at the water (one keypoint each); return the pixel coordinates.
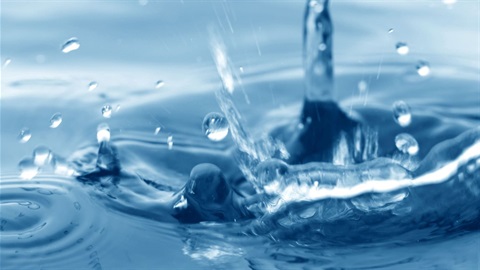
(294, 184)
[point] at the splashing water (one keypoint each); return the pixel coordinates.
(302, 182)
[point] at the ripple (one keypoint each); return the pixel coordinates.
(45, 221)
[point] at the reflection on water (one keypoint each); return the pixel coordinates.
(164, 184)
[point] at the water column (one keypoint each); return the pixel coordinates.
(317, 51)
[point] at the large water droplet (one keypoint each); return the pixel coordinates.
(70, 45)
(107, 111)
(423, 68)
(401, 113)
(159, 84)
(42, 155)
(215, 126)
(402, 48)
(170, 142)
(56, 120)
(407, 144)
(92, 86)
(28, 169)
(103, 133)
(25, 135)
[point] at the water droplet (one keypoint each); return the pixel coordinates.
(28, 169)
(401, 113)
(362, 86)
(170, 142)
(7, 62)
(402, 48)
(70, 45)
(159, 84)
(407, 144)
(107, 111)
(423, 68)
(103, 133)
(215, 126)
(241, 69)
(92, 86)
(24, 135)
(390, 30)
(42, 155)
(56, 120)
(157, 130)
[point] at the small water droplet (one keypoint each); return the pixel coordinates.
(423, 68)
(157, 130)
(402, 48)
(401, 113)
(27, 168)
(62, 167)
(159, 84)
(362, 86)
(7, 62)
(42, 155)
(107, 111)
(56, 120)
(449, 2)
(24, 135)
(241, 69)
(77, 205)
(117, 108)
(103, 133)
(215, 126)
(170, 142)
(390, 30)
(70, 45)
(181, 204)
(407, 144)
(92, 86)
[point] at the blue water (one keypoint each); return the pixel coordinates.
(134, 203)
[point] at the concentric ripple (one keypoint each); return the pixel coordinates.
(48, 221)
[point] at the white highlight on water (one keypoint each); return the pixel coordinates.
(56, 120)
(71, 45)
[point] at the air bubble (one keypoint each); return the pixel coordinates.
(407, 144)
(25, 135)
(423, 68)
(28, 169)
(103, 133)
(70, 45)
(215, 126)
(107, 111)
(401, 113)
(402, 48)
(56, 120)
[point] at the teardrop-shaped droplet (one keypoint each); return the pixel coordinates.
(56, 120)
(42, 155)
(215, 126)
(402, 48)
(103, 133)
(157, 130)
(71, 45)
(407, 144)
(423, 68)
(401, 113)
(28, 169)
(107, 111)
(25, 135)
(92, 86)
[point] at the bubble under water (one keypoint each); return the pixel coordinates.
(215, 126)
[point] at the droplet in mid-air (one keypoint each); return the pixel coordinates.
(157, 130)
(92, 86)
(423, 68)
(107, 111)
(215, 126)
(56, 120)
(7, 62)
(25, 135)
(42, 155)
(27, 168)
(170, 142)
(402, 48)
(407, 144)
(71, 45)
(103, 133)
(401, 113)
(159, 84)
(390, 30)
(362, 86)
